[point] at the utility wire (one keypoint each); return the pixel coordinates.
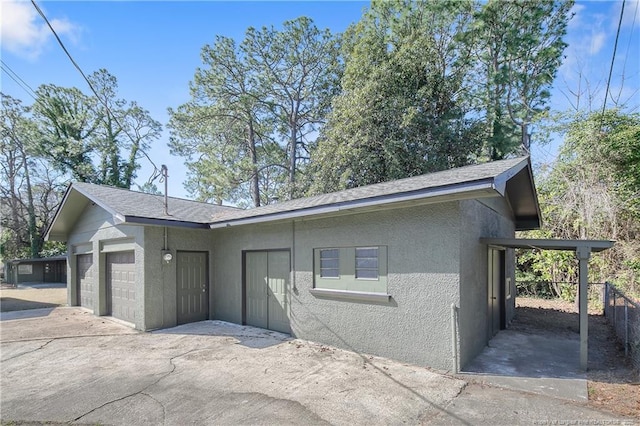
(17, 82)
(613, 58)
(95, 92)
(626, 56)
(15, 77)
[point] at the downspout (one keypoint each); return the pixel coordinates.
(294, 289)
(293, 258)
(166, 238)
(454, 338)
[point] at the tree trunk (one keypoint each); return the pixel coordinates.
(526, 144)
(292, 159)
(255, 179)
(34, 237)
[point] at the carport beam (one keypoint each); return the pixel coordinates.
(583, 253)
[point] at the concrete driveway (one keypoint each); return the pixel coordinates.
(64, 365)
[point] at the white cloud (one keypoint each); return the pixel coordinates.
(597, 42)
(631, 12)
(24, 33)
(576, 13)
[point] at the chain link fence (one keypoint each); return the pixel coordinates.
(624, 314)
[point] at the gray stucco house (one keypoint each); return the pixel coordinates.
(395, 269)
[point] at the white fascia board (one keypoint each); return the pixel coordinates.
(48, 236)
(485, 186)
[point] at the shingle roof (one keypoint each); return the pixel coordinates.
(141, 205)
(447, 178)
(509, 178)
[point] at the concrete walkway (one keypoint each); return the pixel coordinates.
(540, 363)
(68, 366)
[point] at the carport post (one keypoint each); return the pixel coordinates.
(583, 253)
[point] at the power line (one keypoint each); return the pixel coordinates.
(95, 92)
(613, 58)
(633, 24)
(15, 77)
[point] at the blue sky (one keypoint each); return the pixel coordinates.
(153, 49)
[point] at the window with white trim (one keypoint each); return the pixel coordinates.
(352, 269)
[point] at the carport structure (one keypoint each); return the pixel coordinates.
(583, 250)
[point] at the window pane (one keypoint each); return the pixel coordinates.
(367, 273)
(329, 263)
(367, 252)
(367, 262)
(329, 273)
(329, 254)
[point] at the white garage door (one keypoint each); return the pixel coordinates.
(121, 284)
(85, 280)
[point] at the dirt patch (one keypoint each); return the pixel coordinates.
(19, 299)
(613, 384)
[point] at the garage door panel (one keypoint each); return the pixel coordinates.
(85, 281)
(121, 284)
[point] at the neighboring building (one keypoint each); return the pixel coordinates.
(43, 270)
(394, 269)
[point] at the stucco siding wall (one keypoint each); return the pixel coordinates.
(489, 217)
(227, 262)
(423, 250)
(160, 295)
(95, 227)
(37, 273)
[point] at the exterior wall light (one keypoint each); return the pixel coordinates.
(167, 256)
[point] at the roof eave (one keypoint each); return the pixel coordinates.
(139, 220)
(527, 223)
(475, 189)
(99, 202)
(47, 234)
(62, 236)
(501, 180)
(548, 244)
(523, 201)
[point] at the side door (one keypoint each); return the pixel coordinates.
(192, 286)
(495, 286)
